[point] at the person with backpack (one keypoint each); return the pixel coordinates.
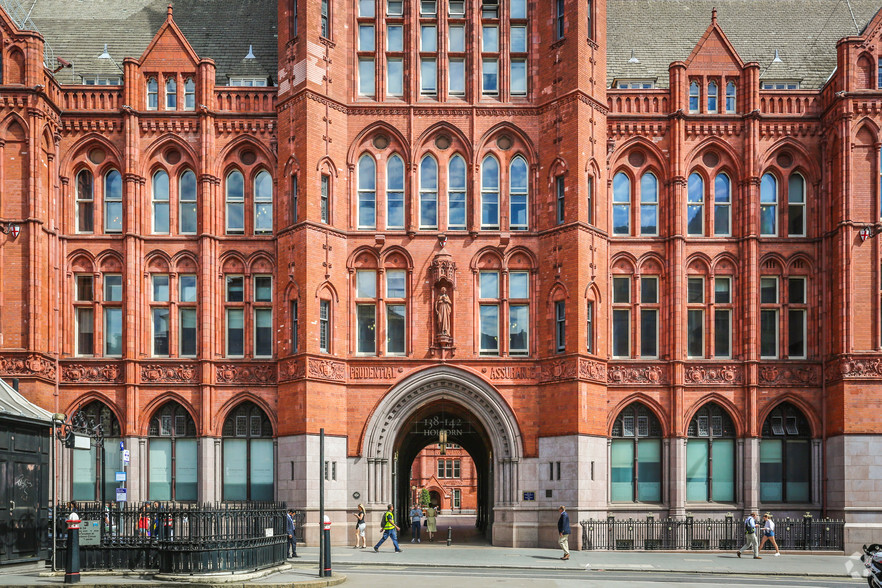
(751, 540)
(389, 528)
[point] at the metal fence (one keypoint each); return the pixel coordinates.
(717, 534)
(180, 538)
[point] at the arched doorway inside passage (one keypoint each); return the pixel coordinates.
(395, 433)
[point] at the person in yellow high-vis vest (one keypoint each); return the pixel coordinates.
(389, 528)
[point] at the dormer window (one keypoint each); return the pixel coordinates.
(730, 97)
(171, 94)
(634, 84)
(713, 96)
(248, 82)
(780, 85)
(152, 94)
(101, 81)
(189, 94)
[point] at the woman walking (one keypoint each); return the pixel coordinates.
(769, 533)
(431, 527)
(360, 525)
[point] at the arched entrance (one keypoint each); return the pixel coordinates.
(412, 415)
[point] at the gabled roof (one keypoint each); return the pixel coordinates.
(804, 31)
(714, 38)
(14, 405)
(169, 30)
(220, 30)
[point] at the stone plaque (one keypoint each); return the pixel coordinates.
(90, 533)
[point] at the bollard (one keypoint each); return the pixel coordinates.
(449, 536)
(327, 532)
(72, 569)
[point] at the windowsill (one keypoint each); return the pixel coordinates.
(710, 505)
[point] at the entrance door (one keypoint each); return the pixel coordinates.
(23, 482)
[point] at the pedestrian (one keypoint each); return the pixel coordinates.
(389, 529)
(360, 525)
(769, 533)
(143, 522)
(563, 529)
(431, 526)
(291, 530)
(157, 528)
(750, 540)
(416, 520)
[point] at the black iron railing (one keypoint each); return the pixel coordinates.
(181, 538)
(717, 534)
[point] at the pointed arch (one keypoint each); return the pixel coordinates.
(292, 166)
(80, 260)
(357, 145)
(184, 257)
(694, 155)
(722, 259)
(149, 410)
(557, 291)
(20, 130)
(96, 396)
(220, 162)
(81, 145)
(486, 252)
(260, 257)
(639, 397)
(776, 258)
(328, 287)
(532, 260)
(230, 257)
(234, 402)
(724, 403)
(505, 126)
(592, 292)
(619, 153)
(351, 261)
(651, 258)
(809, 161)
(623, 260)
(326, 164)
(558, 167)
(699, 259)
(437, 129)
(807, 410)
(108, 258)
(385, 254)
(151, 152)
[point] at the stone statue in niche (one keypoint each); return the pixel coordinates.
(443, 310)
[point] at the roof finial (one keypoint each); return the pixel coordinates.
(168, 12)
(633, 58)
(714, 16)
(250, 53)
(777, 58)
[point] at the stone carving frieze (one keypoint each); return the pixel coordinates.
(636, 374)
(326, 369)
(92, 373)
(560, 369)
(851, 366)
(592, 370)
(292, 369)
(165, 373)
(245, 373)
(713, 374)
(790, 375)
(27, 365)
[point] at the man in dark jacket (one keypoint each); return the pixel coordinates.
(291, 530)
(563, 529)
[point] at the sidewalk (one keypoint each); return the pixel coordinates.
(698, 562)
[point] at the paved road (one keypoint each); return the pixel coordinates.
(378, 576)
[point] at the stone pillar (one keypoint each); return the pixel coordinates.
(677, 478)
(751, 469)
(210, 472)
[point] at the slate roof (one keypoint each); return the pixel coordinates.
(804, 32)
(220, 30)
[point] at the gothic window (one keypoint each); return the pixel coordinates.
(325, 198)
(519, 313)
(489, 302)
(590, 328)
(785, 456)
(152, 94)
(456, 193)
(113, 321)
(560, 325)
(189, 94)
(366, 311)
(113, 210)
(235, 203)
(396, 311)
(730, 97)
(173, 459)
(367, 193)
(395, 193)
(518, 194)
(621, 204)
(796, 206)
(621, 316)
(187, 212)
(694, 96)
(713, 97)
(160, 312)
(325, 326)
(722, 205)
(648, 204)
(249, 469)
(160, 189)
(428, 193)
(85, 202)
(710, 456)
(87, 465)
(263, 203)
(768, 205)
(171, 94)
(695, 206)
(84, 314)
(560, 198)
(490, 193)
(635, 456)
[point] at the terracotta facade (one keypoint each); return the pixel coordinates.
(583, 257)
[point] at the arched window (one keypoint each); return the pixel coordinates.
(785, 456)
(152, 94)
(88, 464)
(367, 193)
(695, 206)
(713, 96)
(621, 204)
(694, 95)
(189, 94)
(490, 193)
(248, 455)
(171, 94)
(796, 206)
(428, 193)
(263, 203)
(648, 204)
(85, 202)
(113, 211)
(456, 193)
(173, 459)
(730, 97)
(187, 218)
(635, 456)
(235, 203)
(710, 456)
(768, 205)
(722, 205)
(518, 194)
(395, 193)
(160, 203)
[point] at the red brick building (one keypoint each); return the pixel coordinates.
(615, 250)
(450, 478)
